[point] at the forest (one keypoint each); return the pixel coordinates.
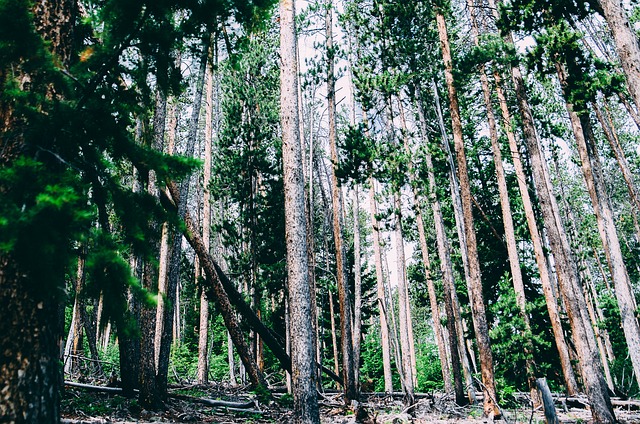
(430, 198)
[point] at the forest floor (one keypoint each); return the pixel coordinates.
(80, 406)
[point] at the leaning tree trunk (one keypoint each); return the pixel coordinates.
(627, 44)
(305, 403)
(474, 283)
(176, 244)
(219, 289)
(612, 137)
(443, 245)
(507, 219)
(538, 248)
(594, 180)
(569, 283)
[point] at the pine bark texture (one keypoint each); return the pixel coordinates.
(444, 252)
(505, 206)
(346, 332)
(404, 316)
(474, 282)
(357, 286)
(30, 374)
(305, 401)
(626, 42)
(381, 296)
(594, 179)
(30, 324)
(203, 336)
(538, 247)
(568, 279)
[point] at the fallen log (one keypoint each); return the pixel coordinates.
(627, 404)
(237, 406)
(212, 402)
(92, 388)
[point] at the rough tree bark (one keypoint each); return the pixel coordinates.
(203, 337)
(454, 322)
(538, 247)
(594, 179)
(626, 42)
(384, 325)
(568, 279)
(30, 329)
(346, 333)
(305, 403)
(507, 219)
(474, 283)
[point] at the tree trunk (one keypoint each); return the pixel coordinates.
(305, 403)
(350, 386)
(30, 338)
(594, 179)
(334, 334)
(231, 360)
(384, 325)
(357, 286)
(149, 396)
(89, 320)
(538, 247)
(31, 326)
(627, 45)
(610, 134)
(433, 299)
(474, 283)
(217, 291)
(444, 247)
(203, 340)
(585, 274)
(565, 265)
(176, 244)
(507, 219)
(404, 316)
(203, 337)
(456, 342)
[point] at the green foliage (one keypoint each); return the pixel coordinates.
(510, 340)
(371, 372)
(111, 358)
(38, 217)
(621, 368)
(428, 365)
(184, 360)
(357, 153)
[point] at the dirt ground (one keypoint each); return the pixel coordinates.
(82, 407)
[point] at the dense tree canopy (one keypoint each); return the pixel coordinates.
(451, 188)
